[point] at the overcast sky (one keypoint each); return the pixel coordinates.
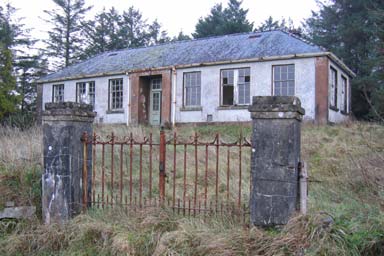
(173, 15)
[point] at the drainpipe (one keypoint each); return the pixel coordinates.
(128, 99)
(174, 96)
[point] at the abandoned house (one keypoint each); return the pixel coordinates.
(205, 80)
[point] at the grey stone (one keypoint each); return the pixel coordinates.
(275, 158)
(21, 212)
(10, 204)
(63, 126)
(327, 222)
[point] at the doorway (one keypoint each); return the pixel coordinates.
(155, 101)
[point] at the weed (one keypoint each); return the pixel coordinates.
(346, 204)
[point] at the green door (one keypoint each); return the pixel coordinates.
(155, 102)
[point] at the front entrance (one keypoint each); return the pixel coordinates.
(155, 101)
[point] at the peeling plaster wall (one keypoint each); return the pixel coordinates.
(261, 85)
(335, 116)
(101, 92)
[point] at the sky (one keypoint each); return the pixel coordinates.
(173, 15)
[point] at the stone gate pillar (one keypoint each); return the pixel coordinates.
(276, 125)
(63, 126)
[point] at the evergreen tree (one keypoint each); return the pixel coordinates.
(232, 19)
(351, 29)
(113, 31)
(29, 70)
(65, 42)
(181, 36)
(271, 24)
(236, 18)
(11, 36)
(132, 29)
(156, 35)
(18, 67)
(9, 98)
(96, 35)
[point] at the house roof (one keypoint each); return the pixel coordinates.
(235, 47)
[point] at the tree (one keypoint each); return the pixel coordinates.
(18, 67)
(102, 33)
(351, 29)
(113, 31)
(8, 95)
(65, 42)
(29, 70)
(156, 35)
(11, 36)
(232, 19)
(136, 32)
(271, 24)
(181, 36)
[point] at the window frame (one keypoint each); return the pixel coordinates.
(111, 104)
(344, 90)
(185, 101)
(333, 104)
(281, 81)
(55, 96)
(91, 93)
(235, 84)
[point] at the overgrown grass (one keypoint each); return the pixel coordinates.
(346, 205)
(20, 166)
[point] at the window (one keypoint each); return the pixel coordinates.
(116, 94)
(156, 83)
(235, 86)
(192, 89)
(284, 80)
(344, 94)
(243, 85)
(58, 93)
(333, 88)
(85, 92)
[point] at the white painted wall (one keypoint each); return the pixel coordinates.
(101, 94)
(261, 84)
(337, 116)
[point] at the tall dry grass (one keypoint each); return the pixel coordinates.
(20, 147)
(346, 209)
(20, 166)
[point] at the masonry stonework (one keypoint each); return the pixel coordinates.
(63, 126)
(276, 139)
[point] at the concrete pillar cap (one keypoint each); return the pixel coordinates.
(68, 110)
(276, 107)
(276, 104)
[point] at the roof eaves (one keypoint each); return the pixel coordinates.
(341, 63)
(61, 79)
(258, 59)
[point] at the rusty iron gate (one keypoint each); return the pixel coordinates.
(190, 176)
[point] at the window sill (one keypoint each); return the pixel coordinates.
(197, 108)
(115, 111)
(232, 107)
(334, 108)
(344, 112)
